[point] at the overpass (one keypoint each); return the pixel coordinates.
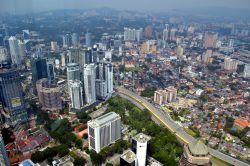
(167, 121)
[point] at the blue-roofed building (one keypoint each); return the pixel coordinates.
(28, 163)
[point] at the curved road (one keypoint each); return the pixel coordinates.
(175, 128)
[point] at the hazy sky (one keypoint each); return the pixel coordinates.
(17, 6)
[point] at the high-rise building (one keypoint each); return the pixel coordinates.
(88, 41)
(4, 159)
(140, 147)
(39, 70)
(11, 96)
(210, 40)
(63, 59)
(128, 158)
(164, 96)
(73, 72)
(104, 131)
(50, 96)
(105, 72)
(16, 57)
(230, 64)
(165, 34)
(246, 72)
(133, 34)
(148, 32)
(21, 48)
(53, 45)
(101, 89)
(51, 73)
(4, 55)
(66, 40)
(180, 51)
(75, 40)
(195, 153)
(76, 96)
(231, 43)
(89, 75)
(172, 36)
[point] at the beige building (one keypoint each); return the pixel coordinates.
(167, 95)
(49, 95)
(210, 40)
(53, 45)
(195, 154)
(230, 64)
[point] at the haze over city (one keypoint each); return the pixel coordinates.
(124, 82)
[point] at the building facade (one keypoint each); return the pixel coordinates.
(76, 94)
(89, 74)
(104, 131)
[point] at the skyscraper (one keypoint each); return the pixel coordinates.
(4, 160)
(3, 55)
(246, 72)
(140, 147)
(49, 95)
(39, 70)
(210, 40)
(16, 57)
(75, 40)
(66, 40)
(76, 95)
(11, 96)
(89, 74)
(88, 41)
(104, 131)
(51, 73)
(165, 33)
(73, 72)
(101, 89)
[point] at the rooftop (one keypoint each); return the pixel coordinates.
(242, 122)
(129, 156)
(142, 138)
(198, 148)
(111, 116)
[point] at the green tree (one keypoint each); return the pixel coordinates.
(62, 150)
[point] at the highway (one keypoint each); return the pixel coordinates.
(167, 121)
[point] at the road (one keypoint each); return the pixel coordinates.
(167, 121)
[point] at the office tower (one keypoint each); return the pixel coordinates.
(21, 48)
(14, 51)
(139, 34)
(39, 70)
(128, 158)
(195, 153)
(11, 96)
(231, 43)
(230, 64)
(210, 40)
(88, 41)
(63, 59)
(165, 34)
(49, 95)
(4, 55)
(105, 72)
(4, 159)
(66, 40)
(140, 147)
(51, 73)
(73, 55)
(148, 32)
(76, 96)
(89, 75)
(246, 72)
(73, 72)
(6, 30)
(75, 40)
(101, 89)
(104, 131)
(108, 56)
(172, 36)
(53, 45)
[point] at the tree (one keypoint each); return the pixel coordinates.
(96, 159)
(78, 143)
(79, 161)
(62, 150)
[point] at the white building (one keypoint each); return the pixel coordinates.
(140, 147)
(76, 96)
(89, 83)
(3, 55)
(246, 73)
(104, 131)
(16, 57)
(101, 89)
(73, 71)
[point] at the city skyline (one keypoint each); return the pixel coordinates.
(29, 6)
